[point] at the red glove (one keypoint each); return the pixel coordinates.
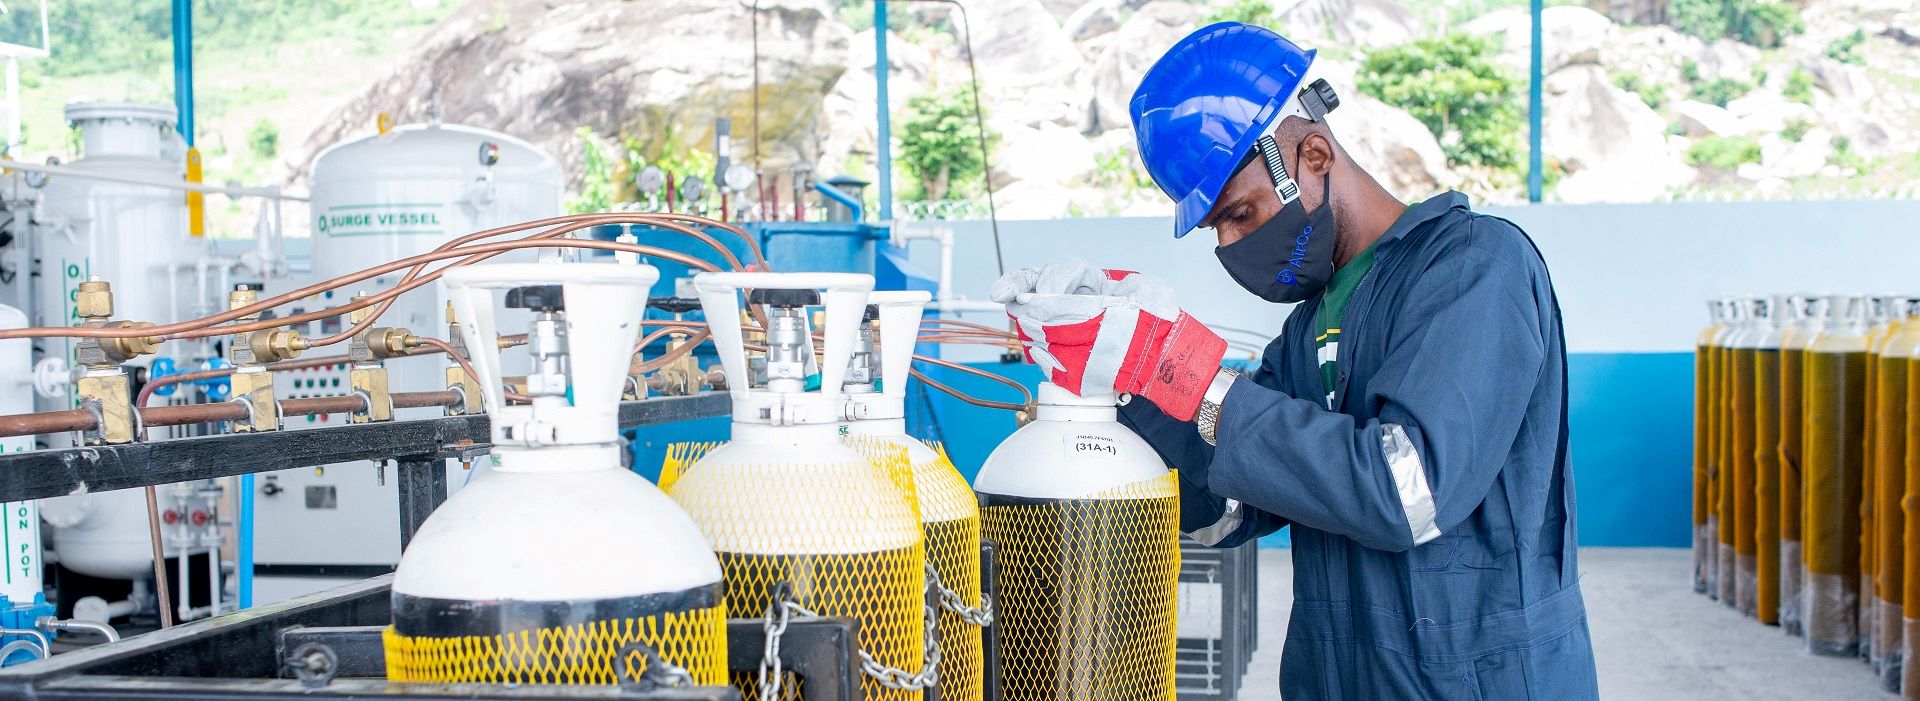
(1096, 331)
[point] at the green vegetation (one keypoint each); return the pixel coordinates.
(1723, 152)
(1762, 23)
(1689, 70)
(1844, 155)
(264, 140)
(940, 142)
(1799, 86)
(1453, 85)
(1648, 91)
(1721, 91)
(1846, 49)
(1120, 167)
(1255, 12)
(1795, 130)
(596, 177)
(96, 36)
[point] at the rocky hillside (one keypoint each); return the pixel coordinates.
(1634, 112)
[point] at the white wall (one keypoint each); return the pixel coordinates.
(1631, 277)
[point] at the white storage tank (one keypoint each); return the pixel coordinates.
(127, 234)
(402, 193)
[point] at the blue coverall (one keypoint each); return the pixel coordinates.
(1449, 428)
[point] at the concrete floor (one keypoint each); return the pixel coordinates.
(1654, 639)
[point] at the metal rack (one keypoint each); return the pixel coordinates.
(1219, 614)
(246, 656)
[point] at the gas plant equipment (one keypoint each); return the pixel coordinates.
(512, 580)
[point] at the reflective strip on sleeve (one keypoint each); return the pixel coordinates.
(1230, 521)
(1410, 479)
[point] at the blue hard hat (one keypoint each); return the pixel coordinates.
(1201, 107)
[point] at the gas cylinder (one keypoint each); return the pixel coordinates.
(1713, 402)
(1726, 481)
(1702, 442)
(949, 517)
(1740, 383)
(1085, 519)
(1879, 327)
(1836, 376)
(1889, 466)
(512, 580)
(1765, 448)
(796, 515)
(1910, 574)
(1807, 313)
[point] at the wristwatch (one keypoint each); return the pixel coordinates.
(1208, 420)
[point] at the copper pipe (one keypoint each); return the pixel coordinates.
(417, 400)
(1026, 396)
(181, 414)
(160, 586)
(146, 391)
(592, 220)
(957, 394)
(47, 422)
(447, 348)
(470, 254)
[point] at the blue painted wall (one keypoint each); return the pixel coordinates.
(1632, 442)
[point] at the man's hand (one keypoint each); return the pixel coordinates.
(1095, 330)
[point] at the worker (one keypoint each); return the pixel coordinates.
(1410, 422)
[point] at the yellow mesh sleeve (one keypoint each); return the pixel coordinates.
(588, 653)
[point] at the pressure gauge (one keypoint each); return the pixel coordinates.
(738, 177)
(692, 188)
(650, 180)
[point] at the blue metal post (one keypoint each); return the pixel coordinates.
(885, 144)
(1534, 112)
(183, 66)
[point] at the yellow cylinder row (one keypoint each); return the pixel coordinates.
(1806, 504)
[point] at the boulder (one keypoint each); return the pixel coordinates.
(1612, 145)
(1141, 41)
(1061, 9)
(1797, 159)
(1569, 34)
(1350, 23)
(1848, 84)
(539, 70)
(1049, 154)
(1701, 119)
(1032, 200)
(1094, 19)
(1391, 145)
(1019, 43)
(1766, 112)
(1867, 135)
(1726, 58)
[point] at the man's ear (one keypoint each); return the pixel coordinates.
(1317, 154)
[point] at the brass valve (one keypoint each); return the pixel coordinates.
(457, 377)
(276, 345)
(105, 388)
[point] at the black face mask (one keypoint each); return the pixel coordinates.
(1290, 257)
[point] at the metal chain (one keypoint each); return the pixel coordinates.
(781, 608)
(894, 678)
(951, 601)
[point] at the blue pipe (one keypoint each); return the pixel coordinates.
(243, 562)
(859, 212)
(1535, 177)
(885, 145)
(183, 66)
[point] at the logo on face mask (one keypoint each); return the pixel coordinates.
(1298, 259)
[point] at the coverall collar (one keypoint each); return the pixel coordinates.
(1422, 212)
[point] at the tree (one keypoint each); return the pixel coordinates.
(940, 141)
(1762, 23)
(1454, 87)
(264, 139)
